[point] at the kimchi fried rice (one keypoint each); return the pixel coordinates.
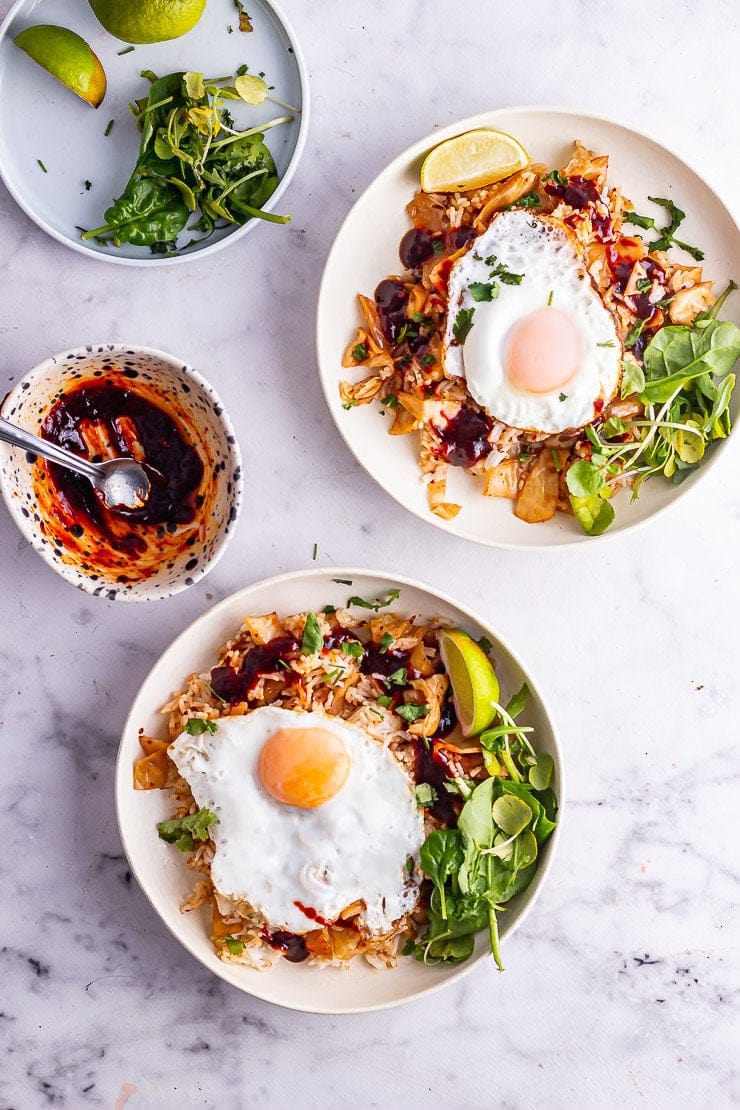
(266, 664)
(399, 345)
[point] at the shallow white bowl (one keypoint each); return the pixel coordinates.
(162, 872)
(178, 388)
(366, 250)
(69, 136)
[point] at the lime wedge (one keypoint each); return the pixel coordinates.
(67, 57)
(475, 689)
(472, 160)
(144, 21)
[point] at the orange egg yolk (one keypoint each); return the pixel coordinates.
(543, 351)
(303, 767)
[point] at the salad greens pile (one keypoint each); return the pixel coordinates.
(685, 384)
(492, 854)
(193, 159)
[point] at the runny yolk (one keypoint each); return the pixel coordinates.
(303, 767)
(543, 351)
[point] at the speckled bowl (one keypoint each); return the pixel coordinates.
(185, 395)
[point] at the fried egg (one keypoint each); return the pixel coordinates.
(312, 812)
(542, 351)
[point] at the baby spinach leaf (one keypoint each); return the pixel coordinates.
(150, 210)
(633, 378)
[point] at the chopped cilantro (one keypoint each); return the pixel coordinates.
(329, 609)
(412, 712)
(196, 726)
(349, 404)
(359, 352)
(438, 246)
(634, 333)
(562, 396)
(425, 795)
(385, 700)
(379, 603)
(385, 642)
(556, 176)
(353, 648)
(484, 291)
(235, 947)
(390, 402)
(530, 200)
(376, 712)
(43, 167)
(463, 323)
(427, 360)
(343, 581)
(312, 640)
(126, 50)
(399, 677)
(184, 831)
(550, 297)
(109, 128)
(642, 286)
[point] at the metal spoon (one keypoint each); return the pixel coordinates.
(122, 483)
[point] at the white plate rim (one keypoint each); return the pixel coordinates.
(239, 232)
(327, 375)
(123, 789)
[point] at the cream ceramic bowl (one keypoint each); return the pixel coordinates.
(161, 871)
(366, 250)
(180, 390)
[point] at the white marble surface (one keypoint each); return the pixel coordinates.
(619, 989)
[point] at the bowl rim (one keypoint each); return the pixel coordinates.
(142, 592)
(122, 779)
(487, 119)
(211, 248)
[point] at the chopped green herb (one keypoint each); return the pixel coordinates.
(126, 50)
(349, 404)
(399, 677)
(315, 551)
(109, 128)
(378, 604)
(390, 401)
(333, 674)
(184, 831)
(43, 167)
(343, 581)
(463, 323)
(411, 712)
(235, 947)
(425, 795)
(634, 333)
(609, 343)
(385, 700)
(353, 648)
(313, 640)
(376, 712)
(196, 726)
(359, 352)
(556, 176)
(550, 297)
(88, 186)
(385, 642)
(642, 286)
(484, 291)
(530, 200)
(438, 246)
(329, 609)
(667, 237)
(410, 866)
(562, 396)
(427, 360)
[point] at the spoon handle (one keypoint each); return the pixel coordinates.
(19, 437)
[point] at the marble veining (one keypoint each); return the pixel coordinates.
(621, 987)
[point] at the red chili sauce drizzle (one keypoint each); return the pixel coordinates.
(234, 685)
(465, 438)
(173, 466)
(580, 192)
(313, 914)
(292, 946)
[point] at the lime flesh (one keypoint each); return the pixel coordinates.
(142, 21)
(475, 689)
(67, 57)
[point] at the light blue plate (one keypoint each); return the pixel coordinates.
(42, 120)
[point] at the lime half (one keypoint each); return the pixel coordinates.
(471, 160)
(475, 689)
(148, 20)
(67, 57)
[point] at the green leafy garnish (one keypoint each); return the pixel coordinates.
(463, 323)
(667, 237)
(41, 164)
(399, 677)
(529, 200)
(411, 712)
(385, 642)
(184, 831)
(425, 794)
(196, 726)
(484, 291)
(385, 700)
(379, 603)
(109, 128)
(353, 648)
(235, 947)
(390, 401)
(482, 864)
(192, 160)
(359, 352)
(313, 640)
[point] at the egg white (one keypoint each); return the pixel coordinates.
(544, 251)
(355, 846)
